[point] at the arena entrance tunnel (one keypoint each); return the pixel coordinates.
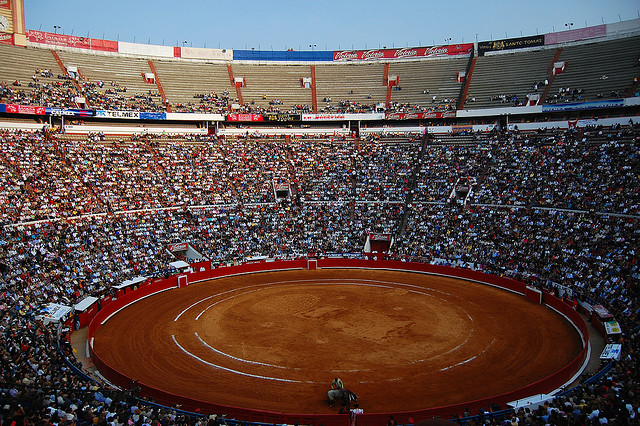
(262, 341)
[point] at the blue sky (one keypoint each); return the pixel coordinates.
(324, 24)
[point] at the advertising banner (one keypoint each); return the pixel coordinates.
(611, 351)
(403, 53)
(462, 128)
(380, 237)
(69, 112)
(193, 116)
(612, 327)
(281, 117)
(510, 43)
(575, 35)
(71, 41)
(145, 49)
(6, 38)
(133, 115)
(244, 117)
(153, 116)
(3, 108)
(54, 312)
(342, 117)
(5, 4)
(204, 53)
(584, 105)
(26, 109)
(178, 247)
(419, 115)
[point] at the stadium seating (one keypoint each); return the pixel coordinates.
(556, 209)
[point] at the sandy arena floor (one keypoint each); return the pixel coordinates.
(274, 341)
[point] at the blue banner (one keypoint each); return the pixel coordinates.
(3, 107)
(69, 112)
(613, 103)
(153, 116)
(282, 55)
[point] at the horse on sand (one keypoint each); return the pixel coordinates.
(343, 395)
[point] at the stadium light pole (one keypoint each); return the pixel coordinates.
(56, 28)
(569, 24)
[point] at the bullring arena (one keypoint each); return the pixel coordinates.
(208, 237)
(405, 342)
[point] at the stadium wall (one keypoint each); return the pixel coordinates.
(546, 385)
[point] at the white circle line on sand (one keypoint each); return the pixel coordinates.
(277, 379)
(357, 282)
(239, 359)
(324, 281)
(317, 282)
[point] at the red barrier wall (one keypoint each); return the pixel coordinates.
(543, 386)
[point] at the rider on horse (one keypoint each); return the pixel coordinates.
(337, 384)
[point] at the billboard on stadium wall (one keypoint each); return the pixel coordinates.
(575, 35)
(5, 4)
(613, 103)
(153, 116)
(25, 109)
(6, 38)
(204, 53)
(194, 116)
(404, 53)
(132, 115)
(281, 117)
(282, 55)
(419, 115)
(244, 117)
(76, 42)
(140, 49)
(342, 117)
(510, 43)
(72, 112)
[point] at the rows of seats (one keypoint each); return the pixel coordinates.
(506, 79)
(603, 70)
(350, 87)
(427, 85)
(274, 87)
(115, 83)
(592, 252)
(186, 84)
(597, 70)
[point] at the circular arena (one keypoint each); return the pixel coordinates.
(407, 339)
(208, 237)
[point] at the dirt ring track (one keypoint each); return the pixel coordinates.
(273, 341)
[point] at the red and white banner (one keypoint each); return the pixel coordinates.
(72, 41)
(380, 237)
(178, 247)
(26, 109)
(6, 38)
(244, 117)
(419, 115)
(5, 4)
(404, 53)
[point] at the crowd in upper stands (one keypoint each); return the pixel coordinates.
(557, 209)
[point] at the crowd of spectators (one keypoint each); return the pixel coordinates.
(59, 94)
(552, 208)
